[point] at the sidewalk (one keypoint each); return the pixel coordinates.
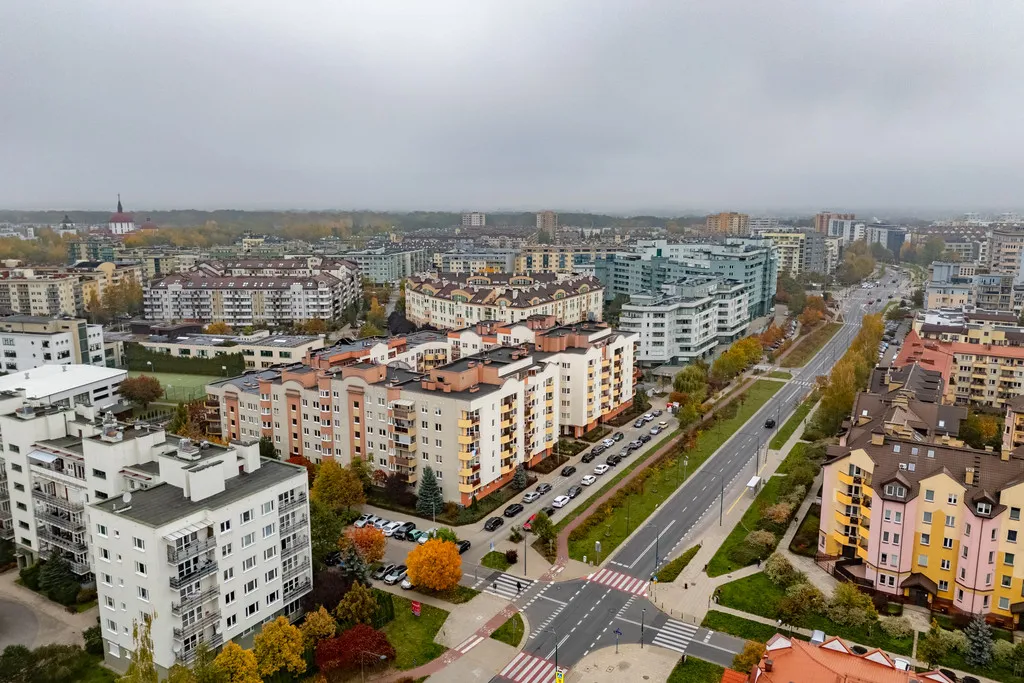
(54, 623)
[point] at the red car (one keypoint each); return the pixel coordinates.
(529, 523)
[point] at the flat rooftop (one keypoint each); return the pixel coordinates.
(47, 380)
(277, 340)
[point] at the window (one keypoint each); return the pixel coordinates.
(268, 530)
(950, 521)
(101, 530)
(225, 526)
(1008, 559)
(143, 593)
(885, 537)
(984, 508)
(250, 586)
(944, 565)
(270, 552)
(248, 539)
(252, 609)
(929, 495)
(140, 568)
(115, 650)
(951, 499)
(232, 620)
(888, 515)
(112, 625)
(895, 490)
(267, 507)
(99, 474)
(225, 550)
(108, 580)
(1015, 514)
(927, 518)
(898, 517)
(947, 542)
(1005, 580)
(943, 586)
(249, 563)
(108, 602)
(895, 539)
(1004, 603)
(922, 560)
(138, 543)
(273, 596)
(967, 529)
(229, 597)
(926, 539)
(246, 517)
(270, 576)
(104, 554)
(229, 573)
(1011, 536)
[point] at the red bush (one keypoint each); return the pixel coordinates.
(360, 644)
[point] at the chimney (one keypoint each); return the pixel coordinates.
(768, 664)
(969, 476)
(877, 438)
(1004, 455)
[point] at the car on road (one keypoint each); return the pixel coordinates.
(407, 584)
(568, 471)
(601, 469)
(639, 423)
(396, 575)
(415, 535)
(463, 546)
(531, 496)
(608, 443)
(390, 529)
(381, 523)
(588, 480)
(599, 449)
(402, 532)
(574, 491)
(635, 444)
(618, 436)
(588, 457)
(383, 571)
(363, 520)
(513, 510)
(663, 424)
(644, 438)
(543, 488)
(493, 523)
(548, 510)
(427, 535)
(655, 430)
(612, 460)
(528, 524)
(648, 417)
(560, 501)
(769, 423)
(657, 413)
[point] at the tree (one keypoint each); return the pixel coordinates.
(933, 648)
(361, 469)
(337, 487)
(430, 500)
(396, 490)
(57, 581)
(918, 297)
(850, 607)
(217, 327)
(369, 541)
(237, 665)
(143, 389)
(800, 599)
(203, 664)
(312, 326)
(278, 647)
(376, 316)
(353, 564)
(780, 570)
(750, 657)
(308, 464)
(95, 309)
(318, 625)
(45, 664)
(267, 448)
(370, 330)
(542, 526)
(179, 673)
(141, 668)
(436, 565)
(325, 528)
(979, 642)
(358, 606)
(519, 481)
(16, 664)
(360, 645)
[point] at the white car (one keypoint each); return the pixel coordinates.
(601, 469)
(663, 424)
(390, 529)
(648, 416)
(655, 431)
(531, 496)
(560, 501)
(608, 443)
(589, 479)
(381, 523)
(429, 534)
(364, 520)
(406, 583)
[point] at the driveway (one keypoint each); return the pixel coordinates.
(29, 619)
(18, 624)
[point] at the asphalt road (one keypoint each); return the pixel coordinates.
(572, 618)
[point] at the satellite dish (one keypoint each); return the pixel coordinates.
(126, 498)
(177, 649)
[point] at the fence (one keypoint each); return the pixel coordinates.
(138, 357)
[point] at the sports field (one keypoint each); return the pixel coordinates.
(177, 386)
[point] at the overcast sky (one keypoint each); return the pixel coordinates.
(517, 104)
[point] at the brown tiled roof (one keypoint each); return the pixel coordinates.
(500, 287)
(241, 282)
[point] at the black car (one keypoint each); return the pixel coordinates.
(543, 488)
(568, 471)
(657, 413)
(513, 510)
(402, 531)
(769, 423)
(598, 449)
(574, 491)
(612, 460)
(463, 546)
(548, 510)
(639, 423)
(588, 457)
(493, 523)
(333, 559)
(618, 436)
(383, 571)
(644, 438)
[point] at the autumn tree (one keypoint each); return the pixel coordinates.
(317, 626)
(358, 606)
(325, 530)
(237, 665)
(279, 647)
(141, 668)
(312, 326)
(360, 645)
(362, 470)
(337, 487)
(217, 327)
(436, 565)
(97, 313)
(369, 541)
(376, 315)
(750, 657)
(370, 330)
(204, 668)
(143, 389)
(179, 673)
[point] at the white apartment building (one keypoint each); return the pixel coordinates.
(386, 264)
(1006, 251)
(453, 301)
(260, 349)
(687, 320)
(473, 420)
(30, 341)
(849, 230)
(346, 272)
(474, 219)
(240, 301)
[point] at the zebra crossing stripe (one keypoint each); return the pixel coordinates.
(528, 669)
(469, 643)
(504, 586)
(621, 582)
(675, 635)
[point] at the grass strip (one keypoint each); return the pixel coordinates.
(779, 374)
(673, 569)
(695, 670)
(495, 560)
(511, 632)
(412, 636)
(457, 596)
(738, 626)
(802, 411)
(810, 345)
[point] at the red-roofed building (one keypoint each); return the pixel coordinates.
(121, 223)
(730, 676)
(931, 355)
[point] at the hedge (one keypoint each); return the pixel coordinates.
(138, 357)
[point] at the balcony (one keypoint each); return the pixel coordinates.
(844, 498)
(80, 568)
(301, 588)
(7, 533)
(193, 573)
(65, 521)
(469, 486)
(286, 505)
(287, 523)
(69, 544)
(299, 542)
(296, 569)
(194, 600)
(200, 545)
(62, 503)
(466, 424)
(208, 620)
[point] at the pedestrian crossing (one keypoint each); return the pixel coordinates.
(529, 669)
(507, 586)
(469, 643)
(621, 582)
(675, 635)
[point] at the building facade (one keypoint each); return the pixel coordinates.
(823, 221)
(22, 291)
(386, 264)
(474, 219)
(260, 349)
(30, 341)
(728, 223)
(547, 221)
(482, 261)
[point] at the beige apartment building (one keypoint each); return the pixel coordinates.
(473, 420)
(25, 292)
(791, 248)
(728, 223)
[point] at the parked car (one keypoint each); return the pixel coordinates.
(381, 523)
(513, 510)
(612, 460)
(601, 469)
(415, 535)
(639, 423)
(644, 438)
(560, 501)
(769, 423)
(568, 471)
(648, 417)
(663, 424)
(407, 584)
(363, 520)
(574, 491)
(548, 510)
(493, 523)
(403, 531)
(333, 558)
(655, 430)
(588, 457)
(618, 436)
(543, 488)
(608, 443)
(463, 546)
(396, 575)
(636, 443)
(657, 413)
(383, 571)
(598, 449)
(530, 496)
(390, 528)
(427, 535)
(588, 480)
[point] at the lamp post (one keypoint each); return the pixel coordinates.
(150, 364)
(362, 673)
(642, 613)
(555, 634)
(657, 537)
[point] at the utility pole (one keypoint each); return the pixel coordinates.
(721, 504)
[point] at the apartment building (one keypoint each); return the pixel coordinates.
(387, 264)
(728, 223)
(687, 320)
(474, 219)
(759, 224)
(823, 220)
(473, 420)
(848, 230)
(994, 292)
(792, 251)
(418, 351)
(482, 261)
(29, 341)
(241, 301)
(453, 301)
(950, 285)
(92, 248)
(560, 258)
(891, 237)
(260, 349)
(548, 222)
(1006, 248)
(967, 250)
(346, 272)
(22, 291)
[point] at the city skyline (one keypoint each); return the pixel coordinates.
(475, 105)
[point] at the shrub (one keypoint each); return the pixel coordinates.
(744, 554)
(1002, 653)
(515, 535)
(30, 576)
(760, 538)
(779, 513)
(955, 641)
(93, 640)
(796, 496)
(781, 572)
(897, 627)
(849, 607)
(801, 599)
(511, 555)
(86, 595)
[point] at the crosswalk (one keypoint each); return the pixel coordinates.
(621, 582)
(469, 643)
(675, 635)
(529, 669)
(507, 586)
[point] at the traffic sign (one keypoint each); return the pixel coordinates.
(559, 676)
(618, 632)
(416, 608)
(654, 578)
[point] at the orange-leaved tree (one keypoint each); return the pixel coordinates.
(217, 327)
(436, 565)
(369, 542)
(279, 647)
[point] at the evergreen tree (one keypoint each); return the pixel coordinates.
(430, 501)
(267, 448)
(979, 642)
(519, 480)
(353, 564)
(57, 580)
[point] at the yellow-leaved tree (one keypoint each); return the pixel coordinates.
(318, 625)
(237, 665)
(279, 647)
(337, 487)
(436, 565)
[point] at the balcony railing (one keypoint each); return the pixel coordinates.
(200, 545)
(64, 521)
(298, 568)
(299, 542)
(298, 589)
(186, 656)
(68, 544)
(210, 619)
(287, 523)
(287, 505)
(194, 573)
(80, 568)
(62, 503)
(7, 533)
(194, 600)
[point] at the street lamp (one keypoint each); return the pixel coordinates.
(150, 364)
(642, 613)
(362, 673)
(555, 634)
(657, 536)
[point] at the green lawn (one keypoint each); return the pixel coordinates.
(805, 540)
(97, 673)
(955, 660)
(802, 410)
(670, 571)
(810, 345)
(696, 671)
(757, 595)
(180, 387)
(495, 560)
(661, 484)
(721, 562)
(511, 632)
(780, 374)
(738, 626)
(457, 596)
(412, 636)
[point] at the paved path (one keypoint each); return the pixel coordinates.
(29, 619)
